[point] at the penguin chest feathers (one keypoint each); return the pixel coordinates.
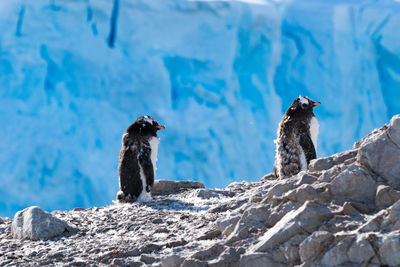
(154, 141)
(314, 129)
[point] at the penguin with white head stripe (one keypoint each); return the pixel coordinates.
(296, 143)
(137, 160)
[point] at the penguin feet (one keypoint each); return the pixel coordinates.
(121, 197)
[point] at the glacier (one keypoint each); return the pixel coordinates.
(218, 74)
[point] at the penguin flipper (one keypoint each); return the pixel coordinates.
(147, 165)
(308, 147)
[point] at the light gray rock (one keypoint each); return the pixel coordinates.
(386, 196)
(314, 245)
(394, 130)
(257, 260)
(210, 193)
(207, 254)
(326, 163)
(193, 263)
(338, 254)
(34, 223)
(229, 258)
(306, 218)
(360, 251)
(172, 261)
(355, 183)
(308, 192)
(381, 153)
(162, 187)
(255, 216)
(148, 258)
(394, 216)
(227, 224)
(389, 249)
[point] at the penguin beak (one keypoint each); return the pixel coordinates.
(314, 104)
(160, 127)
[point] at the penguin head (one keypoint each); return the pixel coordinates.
(302, 106)
(145, 126)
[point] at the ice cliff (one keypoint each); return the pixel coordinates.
(344, 211)
(218, 74)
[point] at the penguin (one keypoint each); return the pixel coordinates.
(137, 160)
(296, 143)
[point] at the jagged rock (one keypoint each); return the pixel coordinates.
(338, 254)
(314, 245)
(210, 234)
(209, 193)
(394, 216)
(389, 250)
(257, 260)
(306, 218)
(386, 196)
(209, 253)
(355, 183)
(193, 263)
(34, 223)
(326, 163)
(229, 258)
(172, 261)
(227, 224)
(361, 251)
(380, 152)
(161, 187)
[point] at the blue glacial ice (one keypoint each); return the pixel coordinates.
(219, 74)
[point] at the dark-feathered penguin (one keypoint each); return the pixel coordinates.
(296, 143)
(137, 160)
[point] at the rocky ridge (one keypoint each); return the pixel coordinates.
(344, 211)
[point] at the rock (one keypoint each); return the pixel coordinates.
(386, 196)
(210, 234)
(307, 218)
(176, 243)
(78, 209)
(229, 258)
(210, 193)
(326, 163)
(394, 130)
(193, 263)
(162, 187)
(172, 261)
(338, 254)
(314, 245)
(150, 247)
(227, 224)
(257, 260)
(389, 250)
(381, 153)
(355, 183)
(207, 254)
(157, 221)
(34, 223)
(148, 259)
(394, 216)
(361, 251)
(306, 178)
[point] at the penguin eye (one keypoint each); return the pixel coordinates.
(304, 105)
